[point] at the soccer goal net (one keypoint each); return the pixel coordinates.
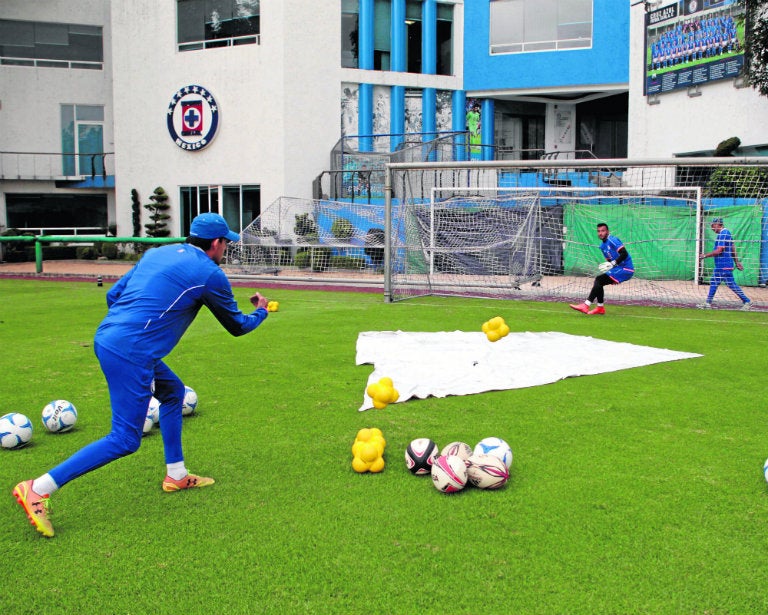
(489, 232)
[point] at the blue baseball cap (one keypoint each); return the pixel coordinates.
(211, 226)
(716, 221)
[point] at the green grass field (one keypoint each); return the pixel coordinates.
(639, 491)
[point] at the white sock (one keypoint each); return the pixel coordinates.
(587, 302)
(177, 470)
(45, 485)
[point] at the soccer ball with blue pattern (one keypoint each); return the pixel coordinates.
(15, 430)
(496, 447)
(190, 401)
(59, 416)
(153, 415)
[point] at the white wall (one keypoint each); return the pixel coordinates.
(31, 98)
(681, 124)
(278, 102)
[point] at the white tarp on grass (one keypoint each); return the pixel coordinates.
(462, 363)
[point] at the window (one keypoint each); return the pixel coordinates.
(444, 39)
(382, 36)
(540, 25)
(202, 24)
(413, 36)
(239, 204)
(350, 22)
(82, 139)
(50, 45)
(57, 214)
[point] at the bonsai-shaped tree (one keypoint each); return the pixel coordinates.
(136, 212)
(157, 209)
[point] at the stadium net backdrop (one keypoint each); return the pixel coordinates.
(523, 230)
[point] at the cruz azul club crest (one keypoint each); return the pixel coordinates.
(193, 117)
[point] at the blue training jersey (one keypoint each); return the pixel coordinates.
(153, 304)
(724, 260)
(610, 249)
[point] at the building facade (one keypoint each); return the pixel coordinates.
(230, 104)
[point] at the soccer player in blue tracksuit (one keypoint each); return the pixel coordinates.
(621, 270)
(150, 308)
(724, 253)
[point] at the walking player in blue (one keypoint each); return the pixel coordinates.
(724, 253)
(621, 269)
(150, 308)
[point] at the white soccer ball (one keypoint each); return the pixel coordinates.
(420, 455)
(487, 472)
(190, 401)
(605, 267)
(153, 415)
(462, 449)
(15, 430)
(496, 447)
(449, 473)
(59, 416)
(765, 469)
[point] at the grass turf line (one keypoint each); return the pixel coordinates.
(639, 491)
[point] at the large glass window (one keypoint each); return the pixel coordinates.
(57, 214)
(202, 24)
(50, 45)
(382, 34)
(350, 23)
(82, 139)
(540, 25)
(444, 39)
(238, 204)
(413, 36)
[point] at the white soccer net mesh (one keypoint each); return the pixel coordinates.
(524, 230)
(529, 232)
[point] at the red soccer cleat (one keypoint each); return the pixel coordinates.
(580, 307)
(598, 310)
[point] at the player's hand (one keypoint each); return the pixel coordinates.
(702, 257)
(259, 301)
(739, 266)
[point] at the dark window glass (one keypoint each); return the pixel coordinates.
(217, 20)
(444, 39)
(51, 41)
(350, 22)
(56, 211)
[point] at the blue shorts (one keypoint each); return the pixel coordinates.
(619, 274)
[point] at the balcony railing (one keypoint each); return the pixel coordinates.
(56, 166)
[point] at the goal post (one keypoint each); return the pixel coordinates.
(530, 233)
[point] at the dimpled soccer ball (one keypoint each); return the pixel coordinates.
(15, 430)
(420, 455)
(449, 473)
(190, 401)
(496, 447)
(487, 472)
(59, 416)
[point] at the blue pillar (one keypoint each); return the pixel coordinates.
(429, 37)
(365, 35)
(487, 128)
(459, 123)
(428, 117)
(398, 39)
(397, 116)
(365, 117)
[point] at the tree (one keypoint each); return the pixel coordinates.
(756, 44)
(157, 209)
(136, 212)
